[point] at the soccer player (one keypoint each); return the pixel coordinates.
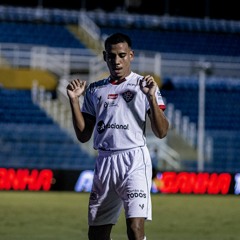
(114, 110)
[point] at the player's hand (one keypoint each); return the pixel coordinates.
(148, 85)
(76, 88)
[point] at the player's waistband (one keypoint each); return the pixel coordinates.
(102, 152)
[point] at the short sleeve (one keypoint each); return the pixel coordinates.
(159, 100)
(88, 103)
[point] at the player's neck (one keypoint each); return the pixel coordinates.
(117, 81)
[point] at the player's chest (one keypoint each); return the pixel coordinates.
(115, 98)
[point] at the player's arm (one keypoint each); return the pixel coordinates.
(83, 123)
(159, 122)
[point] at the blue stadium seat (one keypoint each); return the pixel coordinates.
(38, 34)
(221, 119)
(181, 41)
(31, 139)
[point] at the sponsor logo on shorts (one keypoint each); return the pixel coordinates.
(141, 206)
(101, 126)
(136, 194)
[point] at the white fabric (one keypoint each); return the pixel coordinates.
(120, 112)
(121, 179)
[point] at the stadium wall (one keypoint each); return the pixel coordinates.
(81, 181)
(23, 78)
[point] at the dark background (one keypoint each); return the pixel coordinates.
(214, 9)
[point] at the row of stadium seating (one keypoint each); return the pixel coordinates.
(17, 107)
(38, 34)
(163, 22)
(182, 42)
(143, 39)
(35, 142)
(26, 14)
(166, 40)
(61, 16)
(222, 114)
(218, 103)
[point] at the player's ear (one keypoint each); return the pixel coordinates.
(131, 55)
(104, 56)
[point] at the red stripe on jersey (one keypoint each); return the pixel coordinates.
(163, 107)
(116, 82)
(112, 96)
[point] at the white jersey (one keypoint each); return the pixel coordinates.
(120, 112)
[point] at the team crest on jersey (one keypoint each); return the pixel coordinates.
(128, 96)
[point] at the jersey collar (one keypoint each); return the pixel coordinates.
(116, 82)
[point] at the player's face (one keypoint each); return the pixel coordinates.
(118, 58)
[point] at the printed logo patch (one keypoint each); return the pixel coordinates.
(136, 194)
(128, 96)
(141, 206)
(101, 126)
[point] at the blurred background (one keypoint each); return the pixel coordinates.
(191, 48)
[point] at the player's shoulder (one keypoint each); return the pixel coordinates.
(134, 78)
(98, 84)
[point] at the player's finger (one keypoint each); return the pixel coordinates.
(76, 82)
(149, 80)
(142, 83)
(84, 83)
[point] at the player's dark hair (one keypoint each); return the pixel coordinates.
(118, 38)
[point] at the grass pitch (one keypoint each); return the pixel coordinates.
(63, 215)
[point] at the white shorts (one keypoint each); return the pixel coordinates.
(121, 178)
